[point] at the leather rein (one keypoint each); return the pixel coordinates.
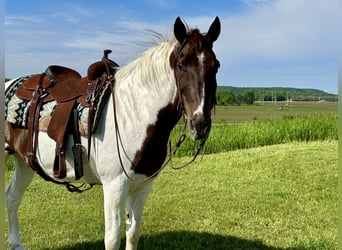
(172, 151)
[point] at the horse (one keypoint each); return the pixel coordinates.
(175, 78)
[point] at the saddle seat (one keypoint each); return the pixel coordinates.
(68, 89)
(61, 83)
(61, 73)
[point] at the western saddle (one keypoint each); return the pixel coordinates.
(69, 90)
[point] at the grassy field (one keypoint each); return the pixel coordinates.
(273, 197)
(246, 113)
(270, 197)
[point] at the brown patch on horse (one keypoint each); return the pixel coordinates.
(150, 158)
(16, 137)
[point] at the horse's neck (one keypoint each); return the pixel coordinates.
(145, 118)
(145, 101)
(139, 104)
(146, 111)
(145, 87)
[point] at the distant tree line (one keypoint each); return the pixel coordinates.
(227, 95)
(229, 98)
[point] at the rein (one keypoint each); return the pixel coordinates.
(177, 146)
(171, 152)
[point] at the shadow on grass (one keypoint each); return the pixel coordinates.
(182, 241)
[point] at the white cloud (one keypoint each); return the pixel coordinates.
(282, 30)
(164, 4)
(21, 20)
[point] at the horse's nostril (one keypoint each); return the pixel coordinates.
(199, 126)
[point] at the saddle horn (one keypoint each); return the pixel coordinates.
(106, 52)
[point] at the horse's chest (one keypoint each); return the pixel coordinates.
(150, 157)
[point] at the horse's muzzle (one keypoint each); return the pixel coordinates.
(199, 127)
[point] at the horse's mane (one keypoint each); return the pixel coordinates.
(155, 58)
(150, 66)
(143, 81)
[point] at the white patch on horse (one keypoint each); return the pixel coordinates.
(199, 109)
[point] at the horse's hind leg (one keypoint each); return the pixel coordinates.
(134, 207)
(21, 179)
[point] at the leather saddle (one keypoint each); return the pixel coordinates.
(68, 89)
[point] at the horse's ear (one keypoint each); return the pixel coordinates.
(214, 30)
(179, 30)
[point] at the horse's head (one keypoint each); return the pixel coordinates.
(195, 67)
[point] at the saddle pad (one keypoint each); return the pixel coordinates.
(16, 109)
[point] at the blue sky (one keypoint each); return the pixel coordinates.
(263, 43)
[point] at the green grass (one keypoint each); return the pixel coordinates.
(273, 197)
(227, 137)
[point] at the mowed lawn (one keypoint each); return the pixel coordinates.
(272, 197)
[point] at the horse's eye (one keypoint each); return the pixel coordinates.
(180, 67)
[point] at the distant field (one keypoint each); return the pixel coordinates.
(245, 113)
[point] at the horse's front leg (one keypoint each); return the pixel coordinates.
(134, 207)
(114, 196)
(21, 179)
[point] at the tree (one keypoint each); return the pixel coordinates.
(225, 98)
(249, 97)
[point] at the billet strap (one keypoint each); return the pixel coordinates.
(77, 148)
(33, 123)
(59, 166)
